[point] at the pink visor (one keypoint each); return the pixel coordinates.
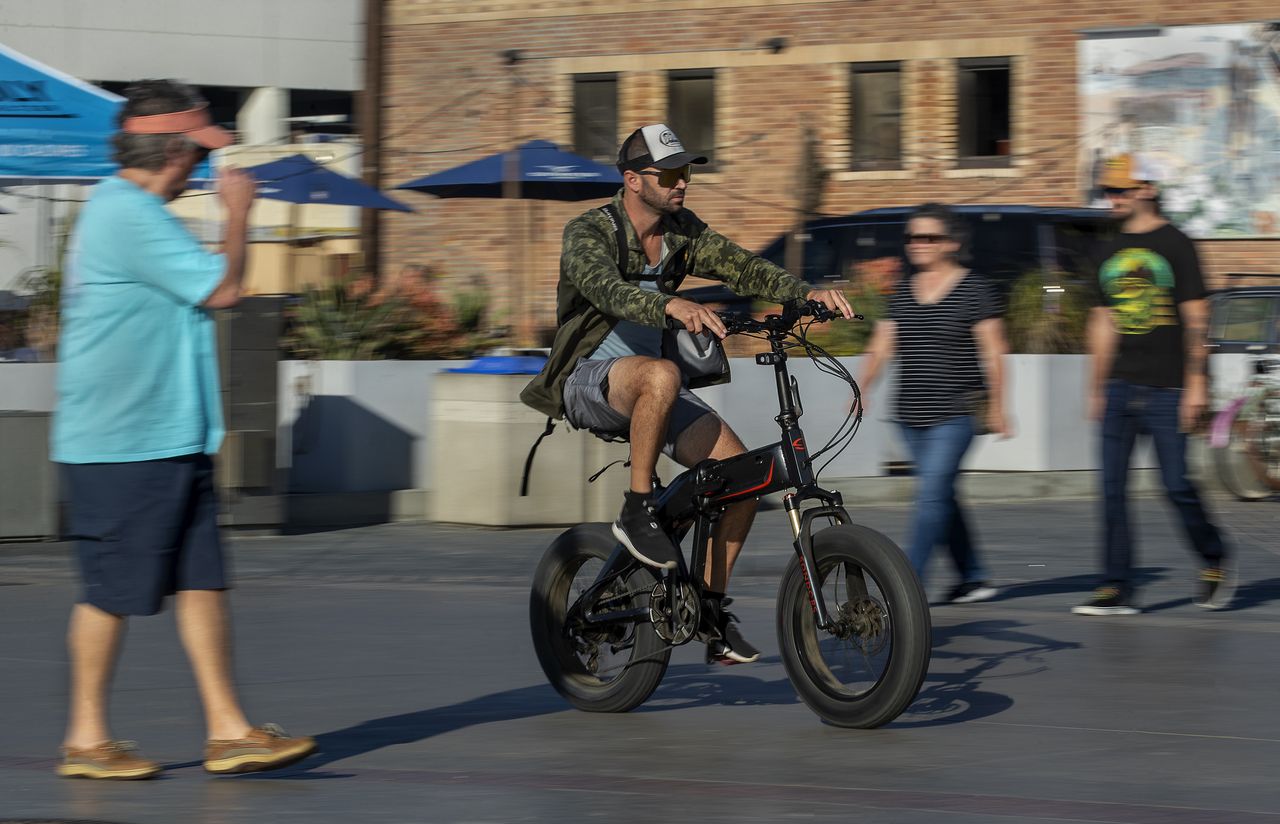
(194, 123)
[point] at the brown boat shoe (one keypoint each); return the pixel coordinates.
(265, 748)
(116, 760)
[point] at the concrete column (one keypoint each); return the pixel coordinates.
(261, 120)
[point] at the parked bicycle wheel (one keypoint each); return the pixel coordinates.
(869, 668)
(598, 667)
(1249, 463)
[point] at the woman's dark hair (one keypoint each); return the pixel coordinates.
(150, 151)
(951, 222)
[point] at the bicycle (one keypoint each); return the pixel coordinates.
(852, 618)
(1244, 437)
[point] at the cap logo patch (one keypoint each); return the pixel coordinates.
(668, 138)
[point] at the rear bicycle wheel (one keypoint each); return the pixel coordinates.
(868, 668)
(598, 667)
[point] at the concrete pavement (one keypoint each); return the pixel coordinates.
(405, 648)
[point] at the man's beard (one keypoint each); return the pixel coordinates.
(659, 203)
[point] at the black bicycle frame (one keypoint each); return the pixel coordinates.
(698, 497)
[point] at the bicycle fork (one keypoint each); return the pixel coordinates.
(802, 531)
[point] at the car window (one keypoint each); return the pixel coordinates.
(1003, 247)
(874, 255)
(1075, 243)
(1243, 319)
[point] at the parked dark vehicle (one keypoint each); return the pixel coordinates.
(1245, 319)
(1005, 242)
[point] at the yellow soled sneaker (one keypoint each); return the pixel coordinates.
(116, 760)
(265, 748)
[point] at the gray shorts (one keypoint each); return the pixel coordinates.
(586, 406)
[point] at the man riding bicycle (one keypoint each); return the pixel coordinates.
(606, 372)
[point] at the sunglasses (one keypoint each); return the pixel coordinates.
(667, 178)
(1118, 191)
(930, 239)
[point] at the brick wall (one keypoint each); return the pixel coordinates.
(451, 98)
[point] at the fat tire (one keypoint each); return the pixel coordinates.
(547, 608)
(909, 621)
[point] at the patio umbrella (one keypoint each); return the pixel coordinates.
(536, 170)
(543, 172)
(299, 179)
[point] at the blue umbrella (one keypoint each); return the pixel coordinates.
(299, 179)
(544, 172)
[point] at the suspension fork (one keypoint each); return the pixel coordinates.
(802, 530)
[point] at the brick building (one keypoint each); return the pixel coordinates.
(988, 111)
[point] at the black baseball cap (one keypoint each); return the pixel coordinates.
(655, 145)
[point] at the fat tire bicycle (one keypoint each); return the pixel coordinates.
(852, 618)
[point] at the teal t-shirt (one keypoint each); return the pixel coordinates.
(138, 368)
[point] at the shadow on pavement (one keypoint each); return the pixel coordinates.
(1083, 584)
(956, 697)
(947, 697)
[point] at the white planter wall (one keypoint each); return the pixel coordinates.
(356, 426)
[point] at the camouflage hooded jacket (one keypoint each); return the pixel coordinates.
(592, 295)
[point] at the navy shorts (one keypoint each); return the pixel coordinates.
(586, 406)
(144, 530)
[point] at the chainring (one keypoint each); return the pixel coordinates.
(688, 612)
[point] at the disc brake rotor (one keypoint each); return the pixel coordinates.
(865, 623)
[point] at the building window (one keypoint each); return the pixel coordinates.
(875, 115)
(691, 111)
(595, 117)
(982, 112)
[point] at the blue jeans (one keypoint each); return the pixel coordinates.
(1134, 410)
(937, 451)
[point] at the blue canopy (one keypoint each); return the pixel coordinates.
(545, 173)
(299, 179)
(53, 127)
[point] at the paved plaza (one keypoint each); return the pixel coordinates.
(405, 649)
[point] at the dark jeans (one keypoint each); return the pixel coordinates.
(1134, 410)
(937, 518)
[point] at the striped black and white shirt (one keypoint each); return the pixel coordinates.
(938, 366)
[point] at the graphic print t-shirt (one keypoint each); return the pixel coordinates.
(1142, 278)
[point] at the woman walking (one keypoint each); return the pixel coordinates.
(944, 328)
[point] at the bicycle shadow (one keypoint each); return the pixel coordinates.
(965, 694)
(947, 698)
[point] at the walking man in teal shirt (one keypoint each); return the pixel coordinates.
(137, 423)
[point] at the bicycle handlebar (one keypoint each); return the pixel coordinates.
(736, 323)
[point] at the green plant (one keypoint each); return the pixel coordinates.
(1046, 315)
(346, 321)
(469, 308)
(844, 338)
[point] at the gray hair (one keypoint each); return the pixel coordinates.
(147, 97)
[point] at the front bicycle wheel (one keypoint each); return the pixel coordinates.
(867, 668)
(611, 666)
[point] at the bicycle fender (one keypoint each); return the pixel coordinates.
(1220, 429)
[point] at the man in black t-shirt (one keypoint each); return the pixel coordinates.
(1148, 376)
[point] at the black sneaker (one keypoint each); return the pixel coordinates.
(637, 529)
(725, 644)
(1106, 601)
(971, 592)
(1216, 586)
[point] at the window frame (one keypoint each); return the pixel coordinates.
(867, 68)
(978, 64)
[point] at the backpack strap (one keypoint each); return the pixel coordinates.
(620, 233)
(528, 461)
